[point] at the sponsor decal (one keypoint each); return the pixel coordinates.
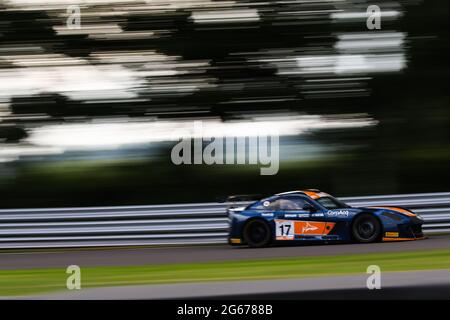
(303, 215)
(309, 227)
(288, 229)
(392, 234)
(338, 213)
(290, 215)
(267, 214)
(403, 239)
(317, 215)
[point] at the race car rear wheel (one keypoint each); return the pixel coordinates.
(366, 228)
(257, 234)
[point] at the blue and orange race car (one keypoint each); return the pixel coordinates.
(316, 216)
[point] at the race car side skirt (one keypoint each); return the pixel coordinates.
(403, 239)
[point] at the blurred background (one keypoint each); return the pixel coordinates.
(86, 114)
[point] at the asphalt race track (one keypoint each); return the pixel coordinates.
(429, 284)
(147, 256)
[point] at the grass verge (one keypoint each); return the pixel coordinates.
(33, 281)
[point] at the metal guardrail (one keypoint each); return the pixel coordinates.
(198, 223)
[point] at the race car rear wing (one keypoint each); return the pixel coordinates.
(244, 197)
(240, 200)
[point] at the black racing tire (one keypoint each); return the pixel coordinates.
(366, 228)
(257, 233)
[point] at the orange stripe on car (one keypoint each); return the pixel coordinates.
(313, 194)
(309, 227)
(403, 239)
(400, 210)
(312, 227)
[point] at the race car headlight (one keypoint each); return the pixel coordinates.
(419, 217)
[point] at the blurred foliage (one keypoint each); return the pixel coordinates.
(407, 152)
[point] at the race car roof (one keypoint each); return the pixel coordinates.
(312, 193)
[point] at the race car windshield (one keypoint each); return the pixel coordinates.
(332, 203)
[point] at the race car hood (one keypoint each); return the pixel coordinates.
(392, 209)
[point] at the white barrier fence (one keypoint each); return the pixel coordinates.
(200, 223)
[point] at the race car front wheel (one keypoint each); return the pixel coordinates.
(257, 234)
(366, 228)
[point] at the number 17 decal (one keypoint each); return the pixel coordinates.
(284, 229)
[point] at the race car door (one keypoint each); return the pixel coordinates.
(295, 219)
